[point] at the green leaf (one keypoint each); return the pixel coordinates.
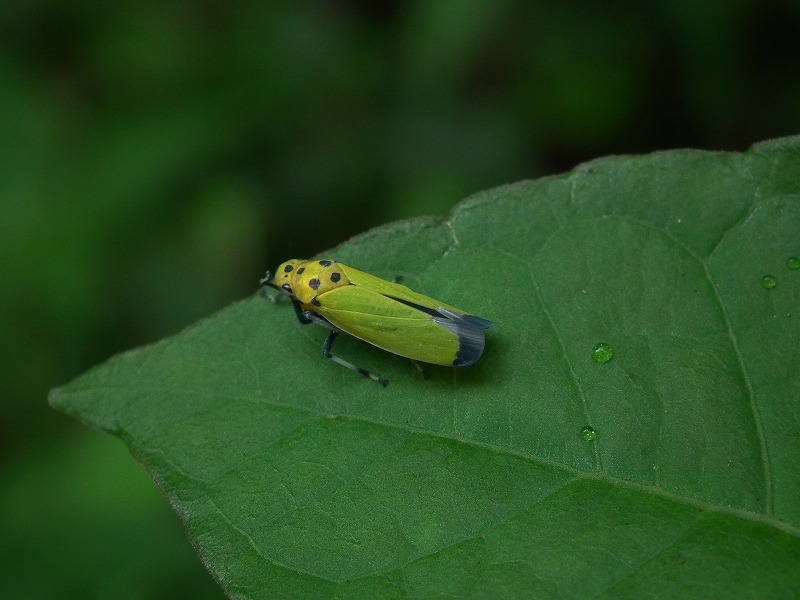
(297, 478)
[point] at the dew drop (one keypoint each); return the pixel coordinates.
(793, 263)
(588, 434)
(602, 353)
(768, 282)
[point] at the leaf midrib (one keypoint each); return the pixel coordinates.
(577, 474)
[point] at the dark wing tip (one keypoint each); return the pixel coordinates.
(470, 341)
(470, 348)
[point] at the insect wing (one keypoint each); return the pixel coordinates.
(470, 337)
(393, 290)
(395, 326)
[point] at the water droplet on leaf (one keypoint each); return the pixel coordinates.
(602, 353)
(588, 434)
(768, 282)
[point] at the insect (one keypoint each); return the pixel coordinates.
(385, 314)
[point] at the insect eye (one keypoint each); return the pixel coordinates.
(287, 287)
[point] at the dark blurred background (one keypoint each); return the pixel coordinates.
(157, 157)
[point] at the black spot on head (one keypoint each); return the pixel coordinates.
(335, 277)
(325, 263)
(300, 270)
(314, 284)
(287, 287)
(288, 269)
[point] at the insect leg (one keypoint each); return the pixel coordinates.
(306, 316)
(326, 352)
(419, 368)
(267, 294)
(303, 316)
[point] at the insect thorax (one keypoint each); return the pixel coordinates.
(307, 279)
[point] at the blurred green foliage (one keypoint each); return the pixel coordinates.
(156, 158)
